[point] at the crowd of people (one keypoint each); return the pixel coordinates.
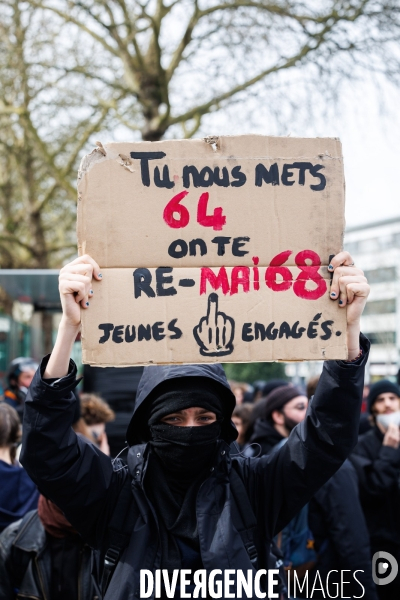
(353, 515)
(217, 477)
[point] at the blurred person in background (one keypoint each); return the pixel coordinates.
(285, 401)
(96, 413)
(259, 406)
(18, 493)
(241, 419)
(337, 532)
(376, 459)
(240, 389)
(43, 556)
(19, 377)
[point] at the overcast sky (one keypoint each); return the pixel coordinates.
(368, 125)
(371, 149)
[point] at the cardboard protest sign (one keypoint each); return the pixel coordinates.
(212, 250)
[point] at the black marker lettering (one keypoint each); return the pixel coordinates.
(144, 333)
(286, 174)
(312, 331)
(201, 244)
(107, 328)
(206, 177)
(221, 241)
(173, 249)
(239, 176)
(271, 176)
(303, 167)
(285, 330)
(259, 331)
(141, 283)
(247, 333)
(117, 334)
(221, 181)
(297, 333)
(130, 337)
(158, 331)
(165, 182)
(144, 158)
(187, 171)
(237, 244)
(314, 172)
(270, 332)
(177, 333)
(326, 328)
(162, 279)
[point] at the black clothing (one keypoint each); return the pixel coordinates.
(176, 509)
(157, 379)
(181, 396)
(81, 480)
(337, 522)
(185, 450)
(266, 436)
(378, 470)
(65, 559)
(47, 562)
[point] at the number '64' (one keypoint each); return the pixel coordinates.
(176, 215)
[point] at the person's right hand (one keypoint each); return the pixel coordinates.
(392, 436)
(75, 286)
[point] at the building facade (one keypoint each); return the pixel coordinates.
(375, 248)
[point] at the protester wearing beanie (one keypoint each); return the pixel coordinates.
(265, 435)
(377, 461)
(383, 386)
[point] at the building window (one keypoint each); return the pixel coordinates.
(382, 337)
(380, 307)
(381, 275)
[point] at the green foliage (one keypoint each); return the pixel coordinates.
(250, 372)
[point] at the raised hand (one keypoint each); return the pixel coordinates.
(351, 289)
(75, 286)
(215, 332)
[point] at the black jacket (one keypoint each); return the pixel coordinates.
(378, 470)
(26, 563)
(264, 438)
(80, 479)
(337, 522)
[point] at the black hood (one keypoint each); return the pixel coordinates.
(151, 383)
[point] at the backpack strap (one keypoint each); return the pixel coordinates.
(119, 533)
(243, 515)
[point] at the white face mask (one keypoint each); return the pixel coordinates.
(386, 420)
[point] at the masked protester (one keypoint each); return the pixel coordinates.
(377, 462)
(189, 502)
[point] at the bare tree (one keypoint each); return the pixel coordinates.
(45, 122)
(174, 61)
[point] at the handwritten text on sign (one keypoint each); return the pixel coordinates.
(245, 280)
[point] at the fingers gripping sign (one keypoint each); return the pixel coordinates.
(75, 285)
(215, 332)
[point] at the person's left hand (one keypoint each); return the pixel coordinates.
(350, 288)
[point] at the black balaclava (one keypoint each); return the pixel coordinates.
(181, 461)
(184, 451)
